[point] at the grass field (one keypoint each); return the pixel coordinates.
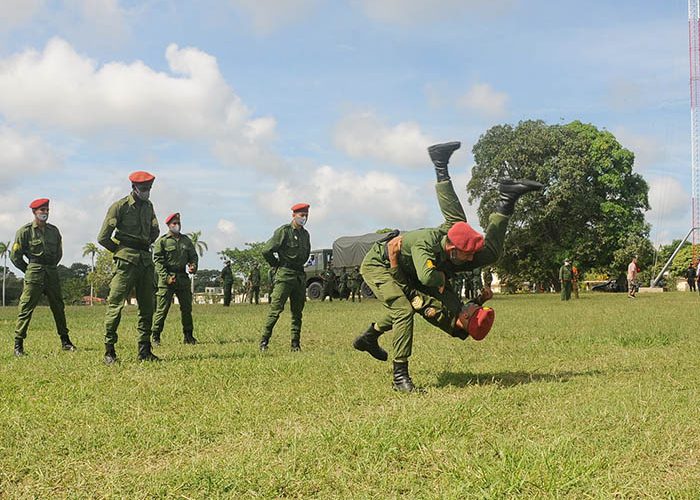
(592, 398)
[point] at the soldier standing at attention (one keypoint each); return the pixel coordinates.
(128, 231)
(254, 280)
(227, 282)
(356, 284)
(174, 256)
(287, 252)
(41, 243)
(343, 290)
(574, 281)
(329, 280)
(565, 277)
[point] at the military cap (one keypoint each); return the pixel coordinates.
(39, 202)
(170, 217)
(465, 238)
(300, 207)
(480, 323)
(141, 177)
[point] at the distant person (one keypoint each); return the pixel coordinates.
(477, 283)
(254, 280)
(41, 244)
(632, 271)
(691, 276)
(565, 277)
(344, 284)
(329, 283)
(356, 284)
(574, 281)
(227, 282)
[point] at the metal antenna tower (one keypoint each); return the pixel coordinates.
(694, 52)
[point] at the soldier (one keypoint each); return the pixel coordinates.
(227, 282)
(428, 258)
(41, 243)
(488, 277)
(287, 252)
(329, 283)
(174, 256)
(574, 281)
(565, 276)
(477, 284)
(133, 223)
(343, 290)
(254, 280)
(356, 284)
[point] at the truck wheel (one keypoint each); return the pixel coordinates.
(314, 291)
(366, 291)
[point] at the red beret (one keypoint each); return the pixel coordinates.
(480, 323)
(301, 207)
(141, 177)
(40, 202)
(170, 217)
(465, 238)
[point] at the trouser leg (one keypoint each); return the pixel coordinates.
(184, 297)
(31, 293)
(119, 288)
(58, 308)
(144, 297)
(280, 293)
(297, 299)
(164, 298)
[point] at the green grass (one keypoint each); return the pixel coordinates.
(592, 398)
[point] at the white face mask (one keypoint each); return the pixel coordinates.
(174, 228)
(300, 220)
(42, 217)
(142, 195)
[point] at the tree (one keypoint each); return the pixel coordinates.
(4, 250)
(242, 261)
(101, 276)
(592, 207)
(199, 245)
(91, 249)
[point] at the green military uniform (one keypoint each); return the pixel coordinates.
(292, 247)
(135, 228)
(43, 249)
(423, 261)
(254, 280)
(227, 281)
(488, 277)
(355, 284)
(329, 281)
(565, 276)
(343, 289)
(477, 285)
(171, 254)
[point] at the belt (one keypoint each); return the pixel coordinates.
(300, 271)
(136, 246)
(39, 261)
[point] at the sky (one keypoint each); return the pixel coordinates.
(241, 108)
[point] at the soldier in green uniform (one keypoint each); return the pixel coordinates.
(565, 277)
(287, 252)
(254, 280)
(428, 258)
(477, 283)
(343, 281)
(128, 231)
(227, 282)
(356, 284)
(41, 243)
(174, 256)
(329, 283)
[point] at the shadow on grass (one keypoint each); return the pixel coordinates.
(201, 356)
(507, 379)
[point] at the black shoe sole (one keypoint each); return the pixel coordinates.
(360, 345)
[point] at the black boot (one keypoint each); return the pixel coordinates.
(510, 190)
(189, 339)
(156, 338)
(440, 156)
(110, 354)
(145, 353)
(264, 343)
(369, 342)
(296, 346)
(402, 380)
(66, 344)
(19, 348)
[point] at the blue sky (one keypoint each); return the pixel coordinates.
(242, 108)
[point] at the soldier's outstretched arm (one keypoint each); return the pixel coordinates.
(104, 237)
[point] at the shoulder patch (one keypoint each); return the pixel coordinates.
(430, 264)
(16, 246)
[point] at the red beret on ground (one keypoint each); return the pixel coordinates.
(301, 207)
(170, 217)
(465, 238)
(480, 323)
(40, 202)
(141, 177)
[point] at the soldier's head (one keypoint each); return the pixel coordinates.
(141, 184)
(173, 223)
(462, 243)
(40, 209)
(300, 214)
(476, 320)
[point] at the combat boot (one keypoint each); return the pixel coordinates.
(440, 155)
(189, 339)
(110, 354)
(66, 344)
(509, 191)
(264, 343)
(156, 338)
(19, 348)
(145, 353)
(296, 346)
(402, 380)
(369, 342)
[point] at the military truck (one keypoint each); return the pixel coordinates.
(347, 252)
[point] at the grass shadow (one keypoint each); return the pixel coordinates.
(507, 379)
(202, 356)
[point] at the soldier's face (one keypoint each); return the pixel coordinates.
(41, 214)
(459, 257)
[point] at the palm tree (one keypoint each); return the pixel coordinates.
(91, 250)
(199, 245)
(4, 250)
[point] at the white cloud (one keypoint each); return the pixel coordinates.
(63, 89)
(17, 12)
(21, 155)
(417, 11)
(483, 99)
(364, 135)
(226, 226)
(648, 150)
(668, 199)
(271, 14)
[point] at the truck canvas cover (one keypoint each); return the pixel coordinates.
(348, 251)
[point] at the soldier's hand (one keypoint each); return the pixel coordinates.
(486, 294)
(393, 248)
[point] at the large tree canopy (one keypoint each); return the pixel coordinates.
(592, 207)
